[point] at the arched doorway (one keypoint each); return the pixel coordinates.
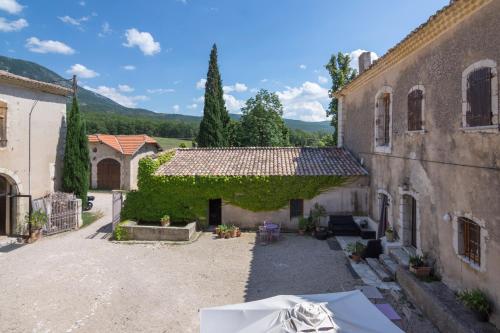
(8, 205)
(108, 174)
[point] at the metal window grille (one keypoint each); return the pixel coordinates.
(471, 240)
(383, 120)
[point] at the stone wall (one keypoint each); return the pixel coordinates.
(451, 171)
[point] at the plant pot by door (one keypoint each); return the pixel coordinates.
(420, 271)
(356, 257)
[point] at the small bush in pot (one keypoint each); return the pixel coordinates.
(477, 301)
(356, 250)
(389, 235)
(165, 221)
(419, 266)
(303, 224)
(37, 220)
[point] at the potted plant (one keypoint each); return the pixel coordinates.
(232, 231)
(37, 220)
(477, 301)
(303, 224)
(165, 221)
(356, 250)
(419, 267)
(221, 233)
(389, 234)
(237, 231)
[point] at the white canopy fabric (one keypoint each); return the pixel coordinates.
(345, 312)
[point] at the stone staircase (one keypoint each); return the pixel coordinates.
(387, 264)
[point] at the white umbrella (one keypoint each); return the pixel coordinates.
(345, 312)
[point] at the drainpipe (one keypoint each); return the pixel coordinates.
(29, 165)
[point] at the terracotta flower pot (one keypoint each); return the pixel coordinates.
(227, 234)
(238, 232)
(356, 257)
(302, 232)
(36, 234)
(420, 271)
(232, 233)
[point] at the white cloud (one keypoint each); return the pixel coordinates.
(233, 104)
(355, 56)
(264, 80)
(302, 66)
(105, 30)
(322, 79)
(82, 3)
(200, 99)
(47, 46)
(192, 106)
(160, 91)
(82, 71)
(237, 87)
(143, 40)
(129, 67)
(201, 84)
(176, 108)
(74, 21)
(125, 88)
(306, 102)
(115, 95)
(9, 26)
(11, 6)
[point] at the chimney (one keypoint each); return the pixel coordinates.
(364, 61)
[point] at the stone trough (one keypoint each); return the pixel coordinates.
(141, 232)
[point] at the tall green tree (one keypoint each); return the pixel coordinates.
(341, 74)
(215, 123)
(262, 124)
(76, 155)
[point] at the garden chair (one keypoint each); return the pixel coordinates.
(275, 232)
(263, 233)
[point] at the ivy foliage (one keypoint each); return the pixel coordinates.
(186, 197)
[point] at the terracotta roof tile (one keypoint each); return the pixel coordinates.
(33, 84)
(262, 161)
(125, 144)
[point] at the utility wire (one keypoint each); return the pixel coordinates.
(432, 161)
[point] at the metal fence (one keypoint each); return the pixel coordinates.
(62, 212)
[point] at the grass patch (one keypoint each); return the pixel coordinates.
(90, 217)
(169, 143)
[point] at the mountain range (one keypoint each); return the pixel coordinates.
(93, 102)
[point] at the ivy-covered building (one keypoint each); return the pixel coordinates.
(245, 186)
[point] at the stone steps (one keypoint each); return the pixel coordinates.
(400, 256)
(377, 267)
(390, 265)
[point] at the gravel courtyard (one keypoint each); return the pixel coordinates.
(81, 282)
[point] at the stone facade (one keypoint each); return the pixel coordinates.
(351, 199)
(129, 164)
(451, 170)
(34, 169)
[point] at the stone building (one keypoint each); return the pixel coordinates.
(115, 159)
(32, 136)
(424, 121)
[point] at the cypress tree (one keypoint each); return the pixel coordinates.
(214, 126)
(76, 155)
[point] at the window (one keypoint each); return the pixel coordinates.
(470, 240)
(415, 110)
(383, 121)
(480, 95)
(296, 208)
(3, 123)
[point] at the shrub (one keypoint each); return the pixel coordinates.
(355, 248)
(475, 300)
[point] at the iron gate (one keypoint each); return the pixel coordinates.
(117, 208)
(62, 211)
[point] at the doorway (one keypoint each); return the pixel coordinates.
(215, 211)
(410, 220)
(4, 191)
(108, 174)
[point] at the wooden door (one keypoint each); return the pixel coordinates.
(108, 174)
(215, 211)
(413, 221)
(3, 205)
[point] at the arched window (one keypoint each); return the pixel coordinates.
(416, 109)
(480, 95)
(469, 240)
(383, 120)
(3, 124)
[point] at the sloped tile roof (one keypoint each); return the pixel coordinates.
(33, 84)
(262, 161)
(125, 144)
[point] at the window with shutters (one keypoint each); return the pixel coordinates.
(383, 120)
(470, 240)
(480, 96)
(3, 124)
(296, 208)
(416, 109)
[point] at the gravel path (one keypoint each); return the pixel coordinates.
(81, 282)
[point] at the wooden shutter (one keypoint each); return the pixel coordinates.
(479, 98)
(471, 238)
(415, 103)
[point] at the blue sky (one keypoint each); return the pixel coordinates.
(153, 53)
